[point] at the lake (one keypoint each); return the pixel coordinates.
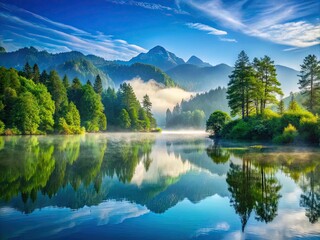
(156, 186)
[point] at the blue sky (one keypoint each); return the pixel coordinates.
(214, 30)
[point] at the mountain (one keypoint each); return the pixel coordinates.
(198, 62)
(85, 67)
(120, 73)
(195, 78)
(297, 97)
(45, 60)
(84, 70)
(289, 79)
(159, 57)
(195, 75)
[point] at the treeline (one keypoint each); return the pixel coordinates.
(194, 112)
(252, 90)
(125, 112)
(37, 103)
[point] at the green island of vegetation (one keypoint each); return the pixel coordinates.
(253, 89)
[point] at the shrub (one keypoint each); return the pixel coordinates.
(309, 129)
(12, 131)
(288, 136)
(217, 121)
(269, 114)
(294, 117)
(2, 127)
(241, 130)
(226, 130)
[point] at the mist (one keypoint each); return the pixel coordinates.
(161, 97)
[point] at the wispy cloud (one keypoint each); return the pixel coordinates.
(206, 28)
(148, 5)
(270, 20)
(27, 28)
(228, 40)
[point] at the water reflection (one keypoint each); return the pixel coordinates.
(156, 173)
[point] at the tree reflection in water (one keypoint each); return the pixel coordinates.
(254, 187)
(74, 171)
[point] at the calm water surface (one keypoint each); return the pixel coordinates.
(156, 186)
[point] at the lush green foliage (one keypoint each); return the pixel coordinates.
(252, 86)
(293, 125)
(26, 107)
(45, 104)
(217, 121)
(124, 111)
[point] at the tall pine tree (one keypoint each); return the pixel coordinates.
(65, 81)
(98, 85)
(36, 73)
(239, 93)
(310, 83)
(27, 71)
(267, 84)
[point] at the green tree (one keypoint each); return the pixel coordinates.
(98, 85)
(310, 83)
(91, 110)
(293, 105)
(281, 106)
(144, 120)
(36, 73)
(65, 81)
(44, 77)
(147, 105)
(217, 121)
(239, 93)
(46, 107)
(71, 123)
(26, 113)
(89, 83)
(110, 100)
(129, 101)
(59, 95)
(75, 91)
(27, 71)
(267, 83)
(198, 118)
(124, 119)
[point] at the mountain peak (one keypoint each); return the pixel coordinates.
(159, 57)
(157, 48)
(197, 61)
(194, 60)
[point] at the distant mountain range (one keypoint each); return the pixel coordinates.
(195, 78)
(158, 64)
(85, 67)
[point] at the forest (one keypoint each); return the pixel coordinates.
(38, 103)
(253, 90)
(195, 112)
